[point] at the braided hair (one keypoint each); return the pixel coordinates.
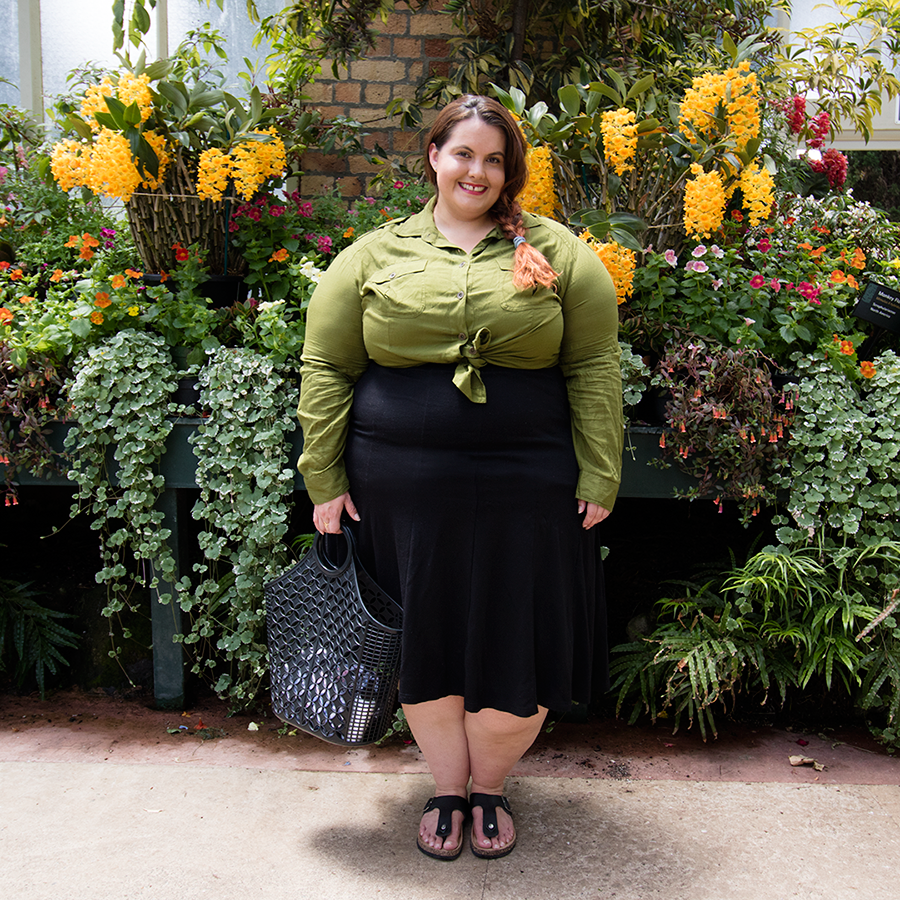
(531, 267)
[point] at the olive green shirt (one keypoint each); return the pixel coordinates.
(403, 295)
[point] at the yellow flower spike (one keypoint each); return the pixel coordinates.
(619, 262)
(758, 189)
(619, 135)
(704, 202)
(539, 194)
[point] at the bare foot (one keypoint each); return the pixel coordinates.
(506, 832)
(429, 837)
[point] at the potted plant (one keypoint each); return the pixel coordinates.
(176, 148)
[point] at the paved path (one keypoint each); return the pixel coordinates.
(83, 814)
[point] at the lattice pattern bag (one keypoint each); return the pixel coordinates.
(334, 648)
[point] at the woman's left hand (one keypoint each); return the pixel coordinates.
(592, 513)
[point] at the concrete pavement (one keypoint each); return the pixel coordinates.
(81, 816)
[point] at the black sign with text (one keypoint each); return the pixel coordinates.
(881, 305)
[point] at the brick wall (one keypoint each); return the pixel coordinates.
(411, 46)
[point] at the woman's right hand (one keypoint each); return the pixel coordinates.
(327, 516)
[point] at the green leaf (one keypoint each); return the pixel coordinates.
(570, 98)
(640, 86)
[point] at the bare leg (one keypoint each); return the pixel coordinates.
(439, 729)
(496, 742)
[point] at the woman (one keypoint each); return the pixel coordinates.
(461, 403)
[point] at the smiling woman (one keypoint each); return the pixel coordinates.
(468, 397)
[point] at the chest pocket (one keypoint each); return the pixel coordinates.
(400, 290)
(537, 298)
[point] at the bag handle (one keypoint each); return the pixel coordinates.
(324, 563)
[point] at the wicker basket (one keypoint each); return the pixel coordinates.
(334, 648)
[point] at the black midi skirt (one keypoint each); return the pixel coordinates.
(469, 519)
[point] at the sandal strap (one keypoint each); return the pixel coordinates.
(489, 804)
(446, 806)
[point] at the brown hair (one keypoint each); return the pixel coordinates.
(531, 267)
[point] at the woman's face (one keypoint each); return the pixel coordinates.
(470, 170)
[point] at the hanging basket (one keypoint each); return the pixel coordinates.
(176, 215)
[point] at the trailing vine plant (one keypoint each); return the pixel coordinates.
(245, 481)
(120, 397)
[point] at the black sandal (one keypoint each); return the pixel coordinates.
(446, 806)
(489, 804)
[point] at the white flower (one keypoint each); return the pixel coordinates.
(698, 251)
(717, 251)
(696, 265)
(717, 284)
(270, 304)
(671, 258)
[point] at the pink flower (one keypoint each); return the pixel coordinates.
(671, 258)
(305, 209)
(696, 265)
(698, 251)
(717, 284)
(254, 214)
(324, 243)
(277, 210)
(775, 284)
(717, 251)
(757, 281)
(764, 245)
(398, 184)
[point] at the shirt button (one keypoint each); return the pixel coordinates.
(462, 265)
(462, 335)
(460, 295)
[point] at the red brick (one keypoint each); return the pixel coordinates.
(314, 161)
(439, 68)
(397, 23)
(408, 48)
(383, 46)
(437, 47)
(408, 141)
(376, 137)
(430, 23)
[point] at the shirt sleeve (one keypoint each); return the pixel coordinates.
(589, 359)
(334, 358)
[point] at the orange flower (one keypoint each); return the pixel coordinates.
(279, 255)
(163, 277)
(86, 252)
(57, 275)
(838, 277)
(817, 252)
(859, 259)
(118, 281)
(73, 241)
(132, 273)
(6, 316)
(4, 265)
(853, 282)
(102, 300)
(97, 317)
(349, 232)
(26, 299)
(804, 246)
(16, 275)
(847, 348)
(867, 370)
(90, 241)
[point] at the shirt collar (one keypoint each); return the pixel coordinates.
(422, 225)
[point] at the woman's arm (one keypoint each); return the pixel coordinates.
(334, 357)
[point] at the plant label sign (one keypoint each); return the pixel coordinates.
(881, 305)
